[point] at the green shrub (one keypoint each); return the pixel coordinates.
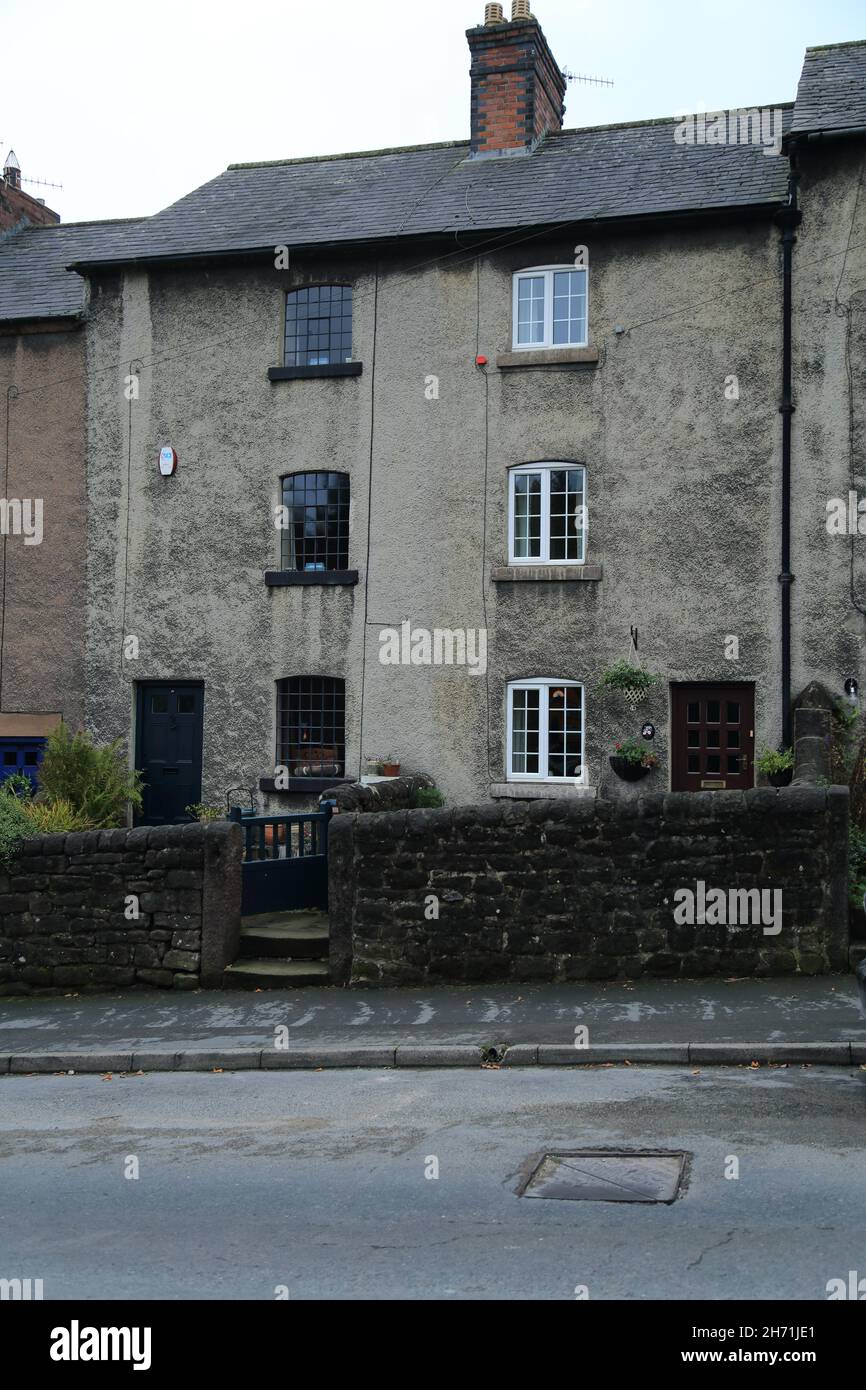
(198, 811)
(95, 781)
(18, 784)
(427, 797)
(14, 825)
(50, 817)
(856, 864)
(771, 762)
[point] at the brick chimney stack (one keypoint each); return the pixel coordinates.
(17, 208)
(518, 90)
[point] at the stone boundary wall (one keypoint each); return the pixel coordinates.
(584, 889)
(63, 899)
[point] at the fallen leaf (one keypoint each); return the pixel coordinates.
(218, 1070)
(107, 1076)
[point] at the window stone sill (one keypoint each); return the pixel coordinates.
(550, 574)
(314, 373)
(284, 579)
(541, 791)
(304, 784)
(549, 357)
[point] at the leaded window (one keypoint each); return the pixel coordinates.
(311, 726)
(315, 523)
(319, 326)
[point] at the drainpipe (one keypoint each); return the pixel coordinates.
(789, 219)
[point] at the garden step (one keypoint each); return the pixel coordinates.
(286, 935)
(275, 974)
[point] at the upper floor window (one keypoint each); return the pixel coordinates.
(545, 731)
(547, 517)
(319, 326)
(315, 530)
(550, 307)
(311, 726)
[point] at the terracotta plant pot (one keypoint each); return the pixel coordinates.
(390, 769)
(627, 770)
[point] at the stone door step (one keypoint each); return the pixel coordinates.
(275, 974)
(293, 936)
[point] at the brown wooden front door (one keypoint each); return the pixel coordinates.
(712, 737)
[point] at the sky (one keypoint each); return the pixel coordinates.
(130, 107)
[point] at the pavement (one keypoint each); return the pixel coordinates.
(405, 1185)
(685, 1022)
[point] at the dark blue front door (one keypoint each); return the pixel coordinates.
(169, 742)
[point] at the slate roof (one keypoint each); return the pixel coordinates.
(618, 171)
(832, 91)
(34, 281)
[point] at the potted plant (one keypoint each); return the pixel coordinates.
(631, 761)
(632, 681)
(777, 767)
(390, 766)
(374, 766)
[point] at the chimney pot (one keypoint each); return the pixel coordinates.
(493, 14)
(520, 9)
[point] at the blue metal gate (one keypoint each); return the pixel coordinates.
(285, 864)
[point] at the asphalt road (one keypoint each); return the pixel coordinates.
(315, 1181)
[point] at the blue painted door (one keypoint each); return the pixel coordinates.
(21, 755)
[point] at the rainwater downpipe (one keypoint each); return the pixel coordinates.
(789, 219)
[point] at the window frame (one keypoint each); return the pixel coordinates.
(340, 361)
(547, 272)
(543, 683)
(286, 541)
(545, 468)
(284, 693)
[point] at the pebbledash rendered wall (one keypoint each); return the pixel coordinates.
(63, 904)
(583, 889)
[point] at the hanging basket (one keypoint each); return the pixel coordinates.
(634, 694)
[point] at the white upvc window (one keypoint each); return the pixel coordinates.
(547, 514)
(545, 731)
(550, 307)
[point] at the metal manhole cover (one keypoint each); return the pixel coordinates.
(606, 1176)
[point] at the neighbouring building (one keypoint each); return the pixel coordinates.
(18, 209)
(44, 455)
(393, 453)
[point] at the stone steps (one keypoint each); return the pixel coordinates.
(287, 935)
(276, 974)
(281, 950)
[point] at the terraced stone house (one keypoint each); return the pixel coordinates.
(396, 453)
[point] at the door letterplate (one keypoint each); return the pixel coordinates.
(712, 786)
